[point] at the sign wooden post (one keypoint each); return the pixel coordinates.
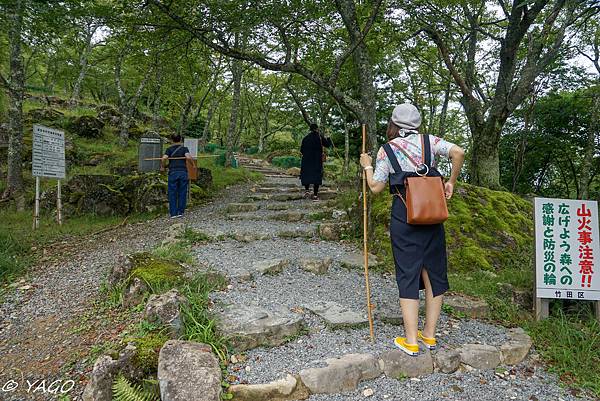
(47, 160)
(567, 245)
(36, 210)
(58, 204)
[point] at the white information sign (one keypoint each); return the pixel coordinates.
(567, 245)
(192, 145)
(48, 154)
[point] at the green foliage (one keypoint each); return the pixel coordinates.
(148, 348)
(17, 237)
(211, 147)
(12, 256)
(252, 150)
(556, 141)
(224, 177)
(191, 236)
(571, 345)
(282, 142)
(123, 390)
(286, 161)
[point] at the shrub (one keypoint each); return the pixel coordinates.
(252, 150)
(211, 147)
(286, 161)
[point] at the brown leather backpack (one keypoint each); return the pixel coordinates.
(425, 198)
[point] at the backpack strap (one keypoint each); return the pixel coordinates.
(392, 158)
(426, 150)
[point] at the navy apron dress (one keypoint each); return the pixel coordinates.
(415, 247)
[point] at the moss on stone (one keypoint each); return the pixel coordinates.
(156, 272)
(148, 348)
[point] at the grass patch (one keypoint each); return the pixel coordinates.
(178, 252)
(17, 237)
(570, 344)
(199, 323)
(191, 236)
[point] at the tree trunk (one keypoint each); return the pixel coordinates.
(236, 71)
(485, 161)
(444, 113)
(83, 62)
(364, 70)
(16, 88)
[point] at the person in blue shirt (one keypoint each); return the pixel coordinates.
(177, 155)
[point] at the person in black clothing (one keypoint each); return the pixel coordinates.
(177, 154)
(311, 169)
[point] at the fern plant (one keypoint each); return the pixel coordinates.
(123, 390)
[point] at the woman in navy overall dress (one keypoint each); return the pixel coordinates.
(419, 250)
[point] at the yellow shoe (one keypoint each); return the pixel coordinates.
(430, 343)
(410, 349)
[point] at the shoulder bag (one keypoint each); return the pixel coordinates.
(425, 198)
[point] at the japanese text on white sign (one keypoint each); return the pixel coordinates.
(567, 245)
(48, 153)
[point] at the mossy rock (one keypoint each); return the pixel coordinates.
(86, 127)
(43, 114)
(146, 192)
(148, 349)
(486, 230)
(155, 272)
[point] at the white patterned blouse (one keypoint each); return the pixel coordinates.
(412, 145)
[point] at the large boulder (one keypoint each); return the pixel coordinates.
(146, 192)
(43, 114)
(165, 309)
(341, 374)
(96, 194)
(99, 387)
(480, 356)
(250, 326)
(188, 371)
(289, 388)
(87, 127)
(397, 364)
(120, 270)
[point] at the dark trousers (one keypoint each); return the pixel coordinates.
(315, 187)
(178, 187)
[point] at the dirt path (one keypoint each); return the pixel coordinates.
(53, 324)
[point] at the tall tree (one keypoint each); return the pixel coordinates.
(236, 72)
(128, 104)
(527, 36)
(15, 85)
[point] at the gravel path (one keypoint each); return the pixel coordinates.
(294, 288)
(49, 328)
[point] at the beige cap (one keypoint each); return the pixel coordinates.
(406, 116)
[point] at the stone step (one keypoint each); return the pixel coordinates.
(344, 374)
(337, 316)
(251, 326)
(275, 190)
(241, 207)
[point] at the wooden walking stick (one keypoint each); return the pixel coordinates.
(365, 237)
